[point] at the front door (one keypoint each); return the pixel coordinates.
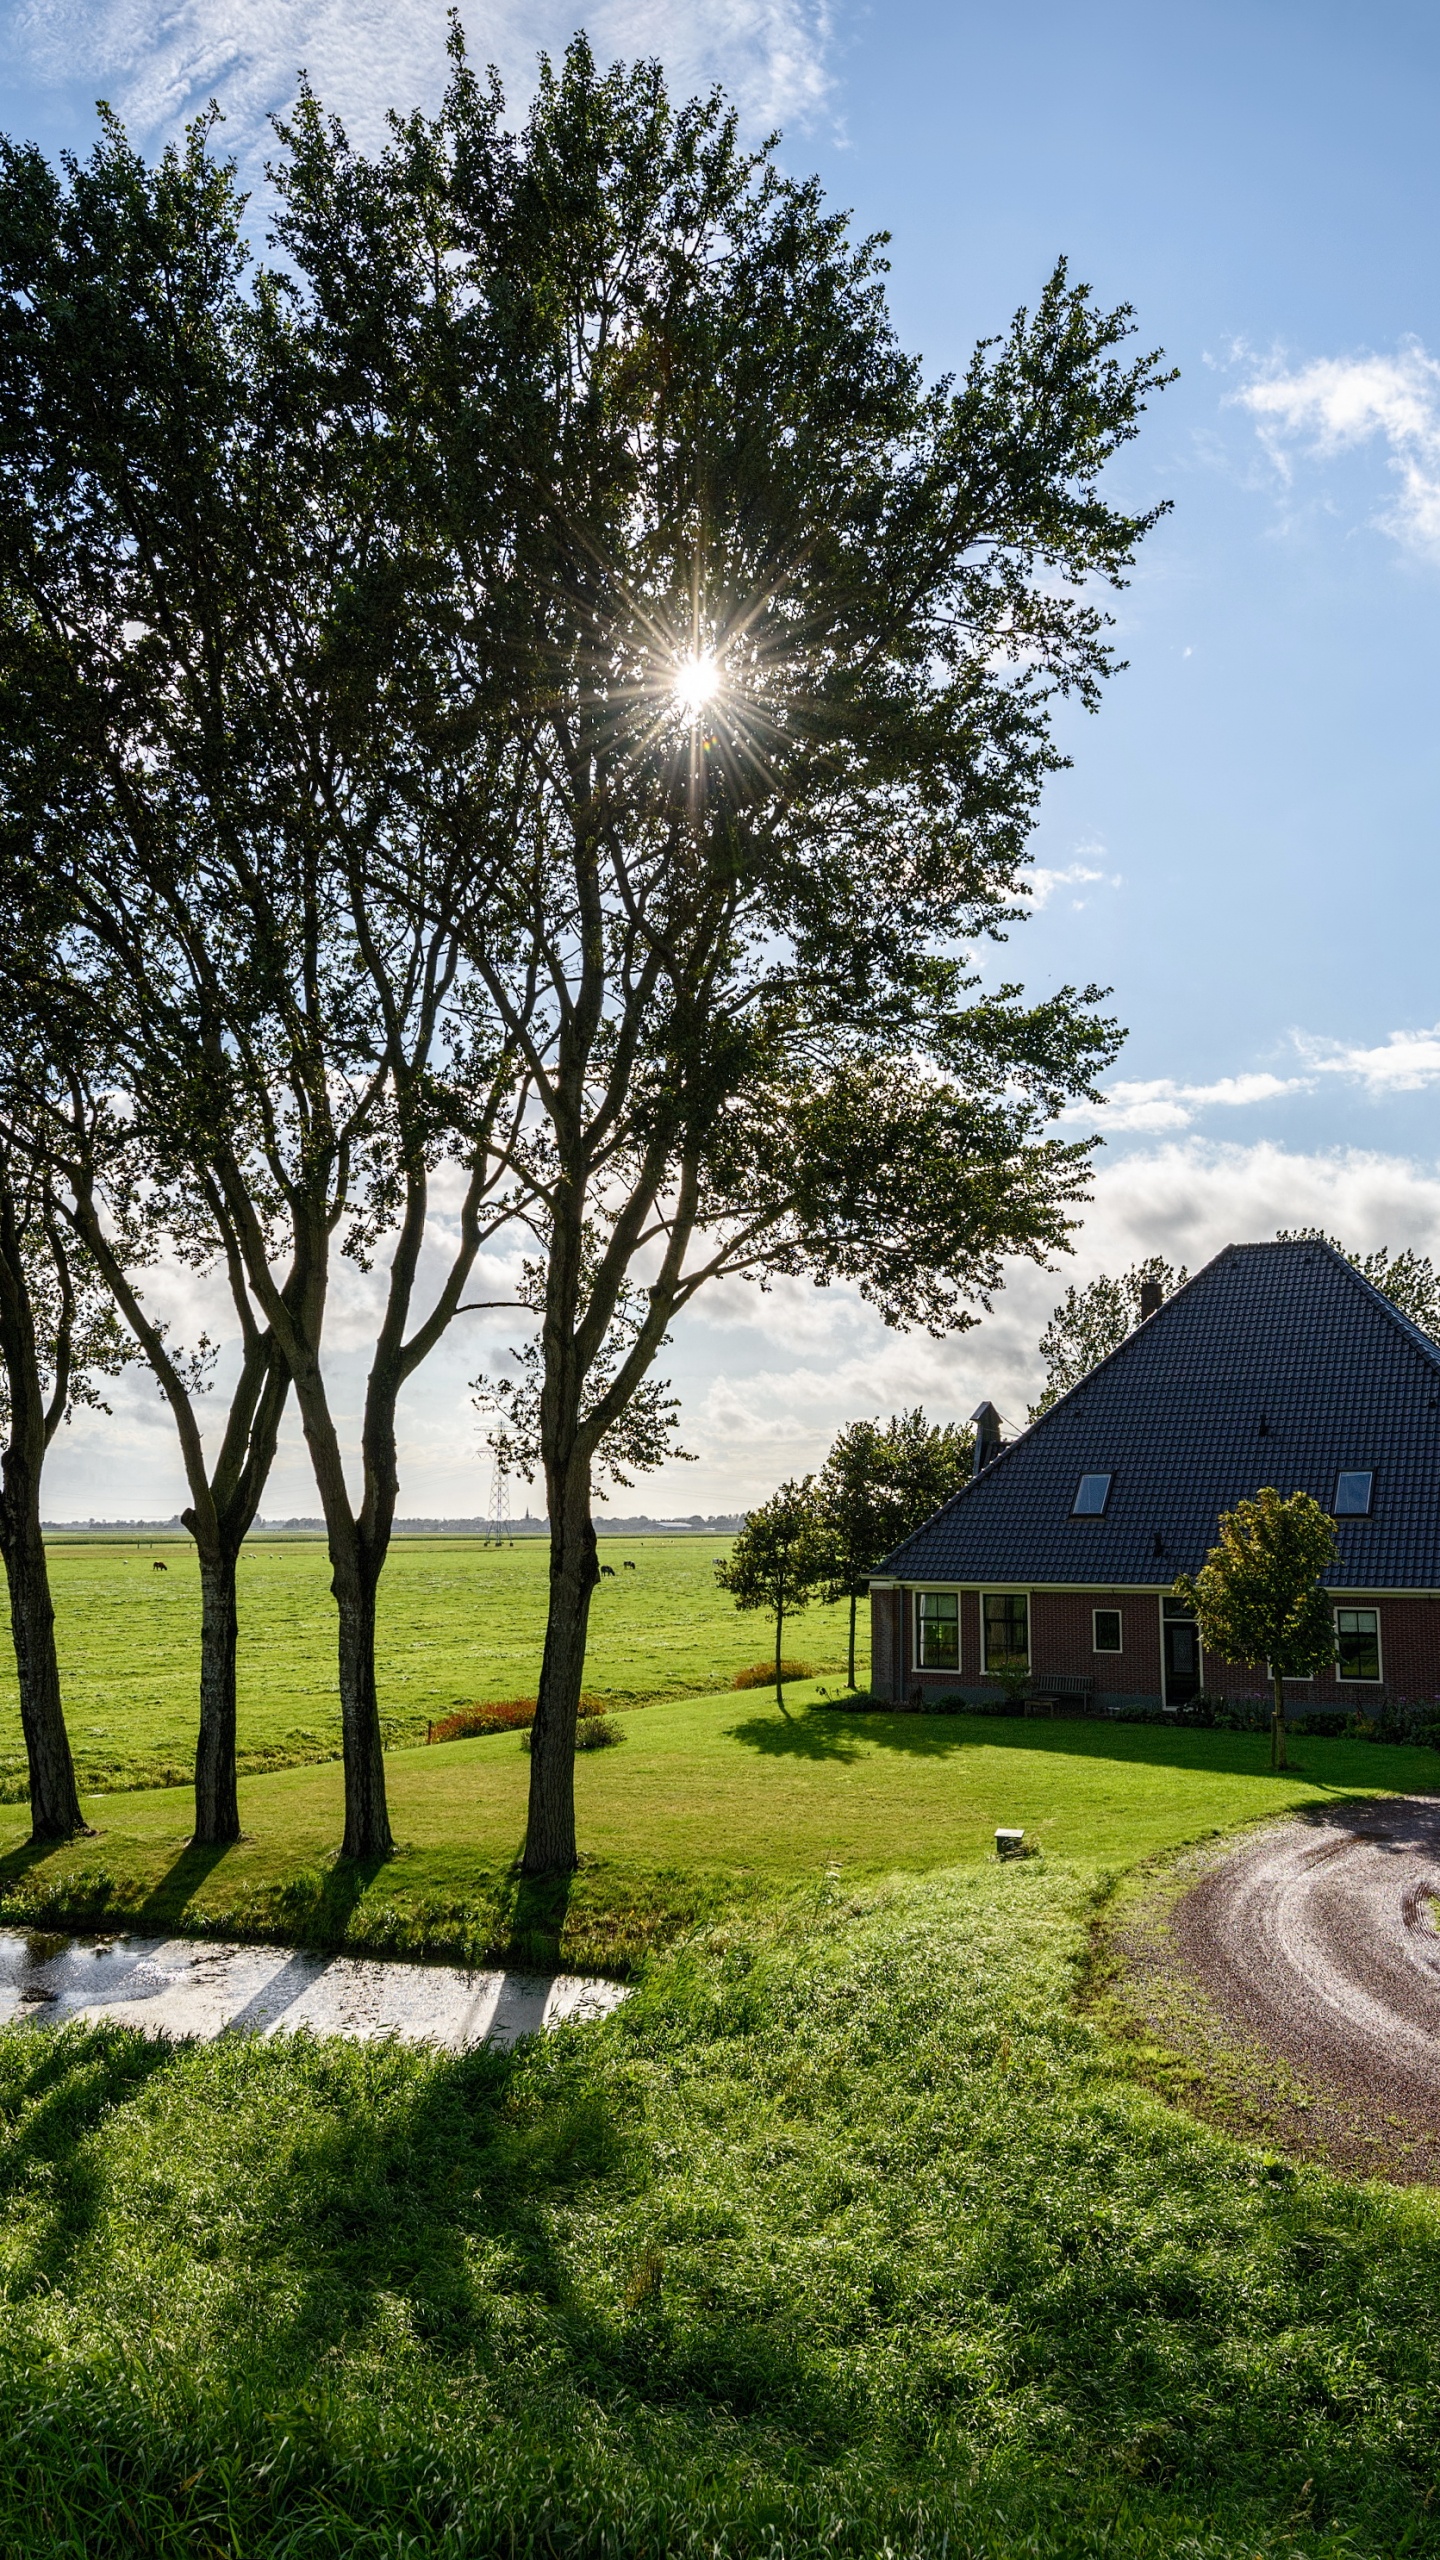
(1182, 1654)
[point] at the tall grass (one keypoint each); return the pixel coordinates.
(844, 2236)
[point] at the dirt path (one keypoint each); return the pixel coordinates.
(1318, 1941)
(209, 1987)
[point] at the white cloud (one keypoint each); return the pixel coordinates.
(1341, 402)
(1043, 884)
(1161, 1103)
(1404, 1063)
(159, 67)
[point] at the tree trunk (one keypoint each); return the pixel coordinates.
(854, 1596)
(367, 1818)
(574, 1571)
(217, 1808)
(1277, 1724)
(54, 1799)
(779, 1675)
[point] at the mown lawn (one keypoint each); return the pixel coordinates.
(707, 1805)
(458, 1621)
(847, 2236)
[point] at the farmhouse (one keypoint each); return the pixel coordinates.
(1277, 1364)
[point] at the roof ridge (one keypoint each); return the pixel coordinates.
(1412, 1333)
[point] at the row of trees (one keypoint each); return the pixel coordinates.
(821, 1537)
(509, 716)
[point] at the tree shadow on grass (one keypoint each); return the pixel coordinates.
(56, 2092)
(837, 1734)
(531, 1913)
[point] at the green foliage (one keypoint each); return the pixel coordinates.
(782, 1558)
(845, 2236)
(1011, 1672)
(1090, 1323)
(877, 1485)
(1258, 1595)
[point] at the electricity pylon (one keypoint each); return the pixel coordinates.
(498, 1532)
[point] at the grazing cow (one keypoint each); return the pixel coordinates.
(158, 1567)
(608, 1570)
(628, 1565)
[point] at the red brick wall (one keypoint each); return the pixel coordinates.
(887, 1671)
(1062, 1640)
(1409, 1662)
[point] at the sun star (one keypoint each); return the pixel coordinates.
(696, 682)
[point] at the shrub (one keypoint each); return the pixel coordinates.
(761, 1675)
(498, 1715)
(594, 1731)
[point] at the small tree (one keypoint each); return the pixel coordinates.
(781, 1558)
(877, 1485)
(1259, 1597)
(1089, 1323)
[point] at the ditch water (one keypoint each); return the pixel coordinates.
(208, 1987)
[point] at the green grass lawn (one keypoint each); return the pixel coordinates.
(847, 2236)
(708, 1804)
(458, 1622)
(852, 2233)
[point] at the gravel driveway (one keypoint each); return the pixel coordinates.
(1318, 1940)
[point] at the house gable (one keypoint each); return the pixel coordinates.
(1277, 1364)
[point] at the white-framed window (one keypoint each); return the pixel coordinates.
(937, 1630)
(1007, 1627)
(1357, 1644)
(1109, 1631)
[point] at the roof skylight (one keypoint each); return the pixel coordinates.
(1352, 1495)
(1092, 1494)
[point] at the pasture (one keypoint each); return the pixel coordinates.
(710, 1805)
(457, 1622)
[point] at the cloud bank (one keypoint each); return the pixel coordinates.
(767, 1378)
(159, 67)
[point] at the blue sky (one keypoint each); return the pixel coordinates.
(1244, 849)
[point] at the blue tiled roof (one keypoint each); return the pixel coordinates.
(1277, 1364)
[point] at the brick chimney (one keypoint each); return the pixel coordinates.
(1152, 1298)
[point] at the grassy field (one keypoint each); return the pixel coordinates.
(458, 1622)
(856, 2231)
(709, 1805)
(846, 2236)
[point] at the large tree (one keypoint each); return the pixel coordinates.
(213, 580)
(58, 1338)
(779, 630)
